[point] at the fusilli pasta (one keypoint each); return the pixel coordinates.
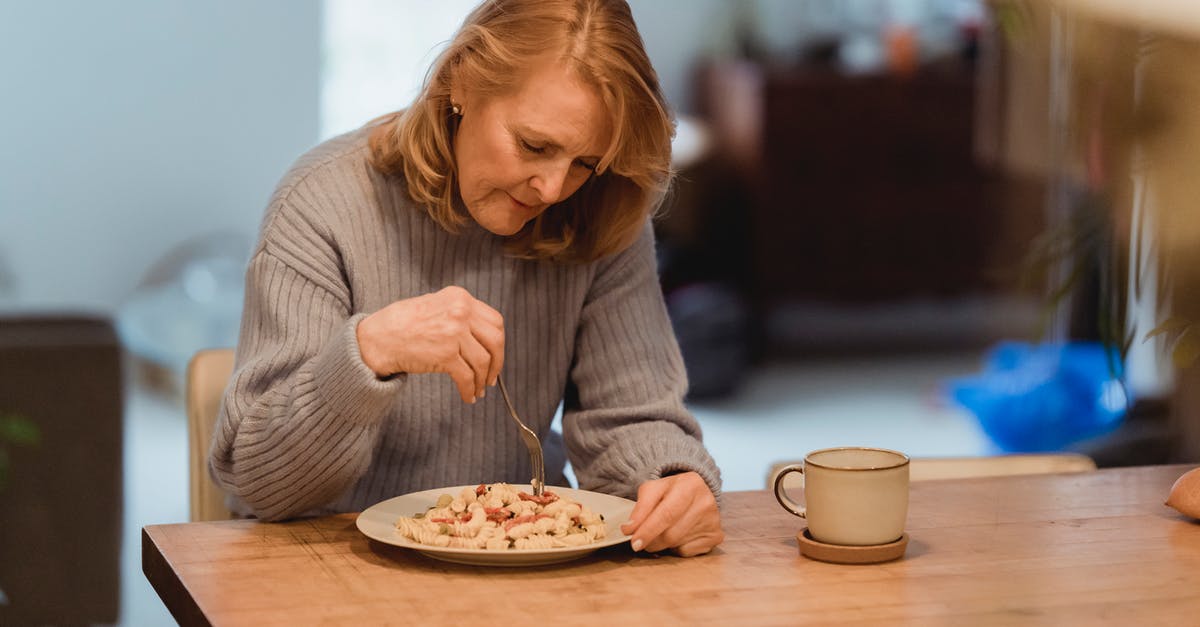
(498, 517)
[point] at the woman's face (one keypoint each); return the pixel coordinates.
(521, 152)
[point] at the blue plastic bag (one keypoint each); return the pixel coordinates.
(1044, 397)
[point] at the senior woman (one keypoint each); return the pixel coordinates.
(497, 227)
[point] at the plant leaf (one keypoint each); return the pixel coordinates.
(1174, 323)
(1186, 350)
(18, 430)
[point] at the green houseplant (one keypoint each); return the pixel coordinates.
(1123, 247)
(15, 430)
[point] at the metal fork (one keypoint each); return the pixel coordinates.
(531, 442)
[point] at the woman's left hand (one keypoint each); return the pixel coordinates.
(678, 512)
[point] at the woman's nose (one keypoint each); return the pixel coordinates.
(549, 181)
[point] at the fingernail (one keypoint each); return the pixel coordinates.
(637, 545)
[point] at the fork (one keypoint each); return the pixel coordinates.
(531, 442)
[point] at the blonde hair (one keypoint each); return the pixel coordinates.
(599, 40)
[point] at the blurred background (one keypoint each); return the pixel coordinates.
(879, 235)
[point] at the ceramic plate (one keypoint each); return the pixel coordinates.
(378, 522)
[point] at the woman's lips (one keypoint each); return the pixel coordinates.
(520, 205)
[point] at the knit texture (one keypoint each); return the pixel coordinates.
(306, 428)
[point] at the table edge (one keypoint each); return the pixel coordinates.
(165, 581)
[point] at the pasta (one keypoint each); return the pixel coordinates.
(498, 517)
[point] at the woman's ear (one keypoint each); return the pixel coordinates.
(456, 90)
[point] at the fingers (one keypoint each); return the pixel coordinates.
(649, 495)
(487, 329)
(481, 341)
(672, 523)
(463, 377)
(478, 359)
(483, 349)
(700, 545)
(490, 335)
(676, 512)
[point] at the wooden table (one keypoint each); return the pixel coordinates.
(1095, 548)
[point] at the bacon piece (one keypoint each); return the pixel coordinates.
(497, 514)
(481, 490)
(546, 498)
(527, 518)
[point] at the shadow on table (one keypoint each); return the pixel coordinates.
(916, 548)
(389, 556)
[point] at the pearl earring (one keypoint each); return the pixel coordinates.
(455, 109)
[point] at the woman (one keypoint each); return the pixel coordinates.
(499, 226)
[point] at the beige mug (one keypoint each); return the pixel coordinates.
(853, 495)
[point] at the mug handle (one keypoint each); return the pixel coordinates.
(783, 499)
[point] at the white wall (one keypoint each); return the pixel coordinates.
(378, 51)
(127, 128)
(676, 34)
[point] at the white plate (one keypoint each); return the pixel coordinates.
(378, 522)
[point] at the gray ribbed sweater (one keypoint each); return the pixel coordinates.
(307, 428)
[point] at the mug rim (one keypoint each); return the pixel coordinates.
(904, 459)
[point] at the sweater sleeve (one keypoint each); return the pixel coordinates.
(624, 419)
(299, 420)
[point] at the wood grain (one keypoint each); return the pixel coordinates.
(1093, 548)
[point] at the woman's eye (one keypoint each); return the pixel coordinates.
(528, 147)
(591, 167)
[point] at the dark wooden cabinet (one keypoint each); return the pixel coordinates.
(61, 507)
(859, 188)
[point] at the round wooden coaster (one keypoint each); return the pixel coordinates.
(841, 554)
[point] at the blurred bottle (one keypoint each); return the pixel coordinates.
(901, 46)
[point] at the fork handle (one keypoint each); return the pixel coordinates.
(538, 482)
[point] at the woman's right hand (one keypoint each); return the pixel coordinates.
(448, 331)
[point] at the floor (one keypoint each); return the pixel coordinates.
(785, 410)
(780, 412)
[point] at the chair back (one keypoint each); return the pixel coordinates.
(931, 468)
(207, 375)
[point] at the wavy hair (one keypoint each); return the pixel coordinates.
(597, 39)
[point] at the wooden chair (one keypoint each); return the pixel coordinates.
(207, 375)
(931, 468)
